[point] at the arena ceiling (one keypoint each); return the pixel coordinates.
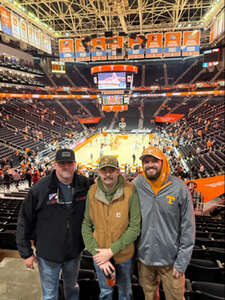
(79, 18)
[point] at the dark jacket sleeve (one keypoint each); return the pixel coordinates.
(26, 226)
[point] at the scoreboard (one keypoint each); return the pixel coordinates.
(211, 57)
(113, 99)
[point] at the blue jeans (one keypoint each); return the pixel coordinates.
(123, 280)
(50, 273)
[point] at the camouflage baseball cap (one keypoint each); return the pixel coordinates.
(108, 161)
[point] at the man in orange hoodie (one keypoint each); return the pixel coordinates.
(168, 227)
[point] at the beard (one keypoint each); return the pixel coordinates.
(66, 174)
(152, 173)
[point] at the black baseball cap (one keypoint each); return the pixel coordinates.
(65, 155)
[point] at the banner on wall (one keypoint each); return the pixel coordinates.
(135, 47)
(218, 27)
(115, 48)
(23, 30)
(66, 50)
(81, 53)
(15, 21)
(31, 35)
(37, 37)
(6, 20)
(210, 187)
(168, 118)
(154, 45)
(191, 43)
(98, 50)
(172, 44)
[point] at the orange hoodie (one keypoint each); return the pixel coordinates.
(158, 184)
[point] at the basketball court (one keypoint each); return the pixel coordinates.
(121, 146)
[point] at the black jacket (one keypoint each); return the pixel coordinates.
(55, 228)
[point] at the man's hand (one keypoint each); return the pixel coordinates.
(103, 255)
(29, 262)
(107, 268)
(177, 274)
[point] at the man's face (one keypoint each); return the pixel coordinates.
(65, 170)
(152, 167)
(109, 176)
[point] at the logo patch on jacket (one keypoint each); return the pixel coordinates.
(171, 199)
(118, 214)
(52, 198)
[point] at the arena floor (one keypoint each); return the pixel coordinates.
(121, 146)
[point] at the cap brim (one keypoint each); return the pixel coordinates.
(108, 166)
(141, 157)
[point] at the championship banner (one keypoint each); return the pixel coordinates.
(191, 43)
(135, 48)
(154, 45)
(115, 47)
(66, 50)
(168, 118)
(44, 42)
(23, 30)
(172, 44)
(6, 20)
(218, 27)
(31, 35)
(48, 45)
(210, 187)
(37, 37)
(98, 49)
(81, 53)
(15, 26)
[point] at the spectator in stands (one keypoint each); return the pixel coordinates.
(197, 197)
(167, 236)
(28, 176)
(202, 171)
(16, 177)
(35, 176)
(54, 210)
(113, 210)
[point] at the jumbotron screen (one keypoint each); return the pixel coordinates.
(111, 80)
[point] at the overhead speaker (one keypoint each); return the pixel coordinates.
(119, 51)
(108, 34)
(133, 36)
(87, 39)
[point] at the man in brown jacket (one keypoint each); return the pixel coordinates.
(110, 227)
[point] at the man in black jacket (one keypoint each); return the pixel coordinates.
(52, 215)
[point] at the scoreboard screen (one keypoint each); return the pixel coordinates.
(112, 99)
(211, 57)
(58, 67)
(112, 80)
